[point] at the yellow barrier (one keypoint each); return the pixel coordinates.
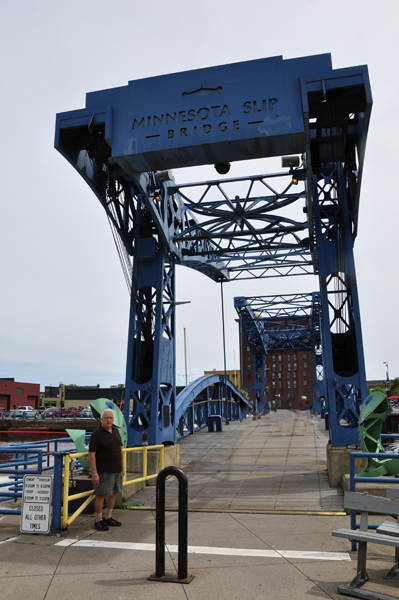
(89, 495)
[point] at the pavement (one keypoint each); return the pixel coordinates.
(260, 520)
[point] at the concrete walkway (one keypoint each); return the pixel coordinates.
(260, 523)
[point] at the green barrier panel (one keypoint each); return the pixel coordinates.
(372, 415)
(78, 436)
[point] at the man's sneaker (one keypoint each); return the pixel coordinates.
(100, 526)
(111, 522)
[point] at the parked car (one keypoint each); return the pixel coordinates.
(85, 413)
(71, 411)
(54, 412)
(25, 412)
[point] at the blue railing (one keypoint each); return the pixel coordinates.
(227, 401)
(31, 458)
(25, 461)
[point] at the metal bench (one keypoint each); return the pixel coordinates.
(383, 536)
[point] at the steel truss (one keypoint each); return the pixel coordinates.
(249, 223)
(282, 323)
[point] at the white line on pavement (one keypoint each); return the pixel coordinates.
(210, 550)
(9, 540)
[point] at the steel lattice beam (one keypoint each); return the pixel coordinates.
(282, 323)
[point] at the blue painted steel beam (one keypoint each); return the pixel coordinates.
(344, 366)
(319, 389)
(336, 111)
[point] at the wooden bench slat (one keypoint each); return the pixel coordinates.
(388, 528)
(366, 536)
(393, 492)
(365, 503)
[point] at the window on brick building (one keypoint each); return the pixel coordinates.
(273, 375)
(294, 375)
(305, 355)
(273, 385)
(294, 357)
(280, 367)
(279, 358)
(305, 382)
(288, 375)
(249, 377)
(279, 375)
(289, 366)
(249, 367)
(273, 359)
(305, 365)
(248, 349)
(288, 384)
(280, 385)
(304, 373)
(288, 394)
(295, 384)
(288, 357)
(248, 359)
(19, 391)
(274, 367)
(295, 366)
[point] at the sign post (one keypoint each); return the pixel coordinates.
(36, 504)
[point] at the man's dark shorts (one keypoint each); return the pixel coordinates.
(110, 483)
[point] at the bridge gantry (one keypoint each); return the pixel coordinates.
(282, 323)
(124, 144)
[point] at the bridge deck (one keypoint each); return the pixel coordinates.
(276, 463)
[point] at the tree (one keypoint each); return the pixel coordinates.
(380, 387)
(395, 387)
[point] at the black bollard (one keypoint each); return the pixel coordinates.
(160, 574)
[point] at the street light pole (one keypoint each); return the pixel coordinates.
(387, 378)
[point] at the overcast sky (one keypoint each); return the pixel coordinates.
(64, 302)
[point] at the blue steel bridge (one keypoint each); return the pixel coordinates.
(301, 220)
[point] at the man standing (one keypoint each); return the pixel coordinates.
(106, 464)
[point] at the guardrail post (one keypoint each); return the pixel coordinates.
(160, 574)
(57, 492)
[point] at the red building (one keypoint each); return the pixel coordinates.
(290, 377)
(14, 394)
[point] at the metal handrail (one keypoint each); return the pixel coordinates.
(90, 495)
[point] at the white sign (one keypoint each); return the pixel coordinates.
(36, 504)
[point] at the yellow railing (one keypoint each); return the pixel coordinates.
(89, 495)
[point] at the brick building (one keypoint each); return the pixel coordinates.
(14, 394)
(290, 377)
